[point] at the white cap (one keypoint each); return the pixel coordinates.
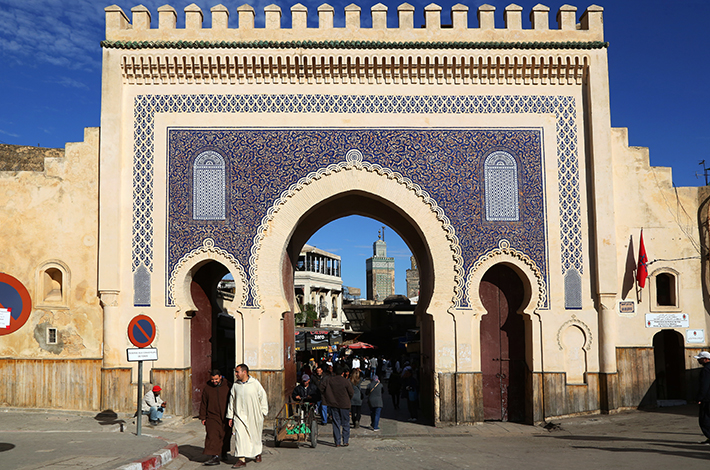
(703, 355)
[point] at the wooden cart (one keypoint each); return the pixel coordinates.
(296, 422)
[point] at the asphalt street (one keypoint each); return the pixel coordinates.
(657, 439)
(663, 438)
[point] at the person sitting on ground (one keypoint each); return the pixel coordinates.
(153, 405)
(306, 391)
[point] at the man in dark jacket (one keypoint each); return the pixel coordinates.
(337, 393)
(704, 395)
(321, 408)
(306, 391)
(213, 410)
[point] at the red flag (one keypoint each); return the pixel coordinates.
(642, 270)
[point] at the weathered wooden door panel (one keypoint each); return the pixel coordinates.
(502, 345)
(200, 343)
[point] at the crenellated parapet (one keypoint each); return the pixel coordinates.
(279, 31)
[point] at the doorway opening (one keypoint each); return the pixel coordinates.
(669, 356)
(383, 323)
(212, 338)
(503, 364)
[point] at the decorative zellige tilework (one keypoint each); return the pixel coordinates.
(444, 167)
(563, 107)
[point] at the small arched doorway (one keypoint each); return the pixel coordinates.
(669, 357)
(212, 339)
(503, 364)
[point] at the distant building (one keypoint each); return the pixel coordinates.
(317, 281)
(380, 272)
(413, 279)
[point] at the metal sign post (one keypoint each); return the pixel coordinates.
(141, 332)
(139, 355)
(139, 411)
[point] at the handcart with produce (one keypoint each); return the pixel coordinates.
(296, 422)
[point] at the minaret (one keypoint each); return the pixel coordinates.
(413, 279)
(380, 270)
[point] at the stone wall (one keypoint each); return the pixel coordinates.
(49, 228)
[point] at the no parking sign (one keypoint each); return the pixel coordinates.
(141, 331)
(15, 304)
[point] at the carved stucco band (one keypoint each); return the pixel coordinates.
(354, 162)
(505, 249)
(208, 248)
(574, 321)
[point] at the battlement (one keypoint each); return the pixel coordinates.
(589, 29)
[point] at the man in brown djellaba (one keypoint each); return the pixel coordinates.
(213, 414)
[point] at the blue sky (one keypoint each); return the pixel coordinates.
(50, 83)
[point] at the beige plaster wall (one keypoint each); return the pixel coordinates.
(646, 199)
(49, 217)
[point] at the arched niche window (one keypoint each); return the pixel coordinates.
(664, 283)
(53, 285)
(209, 187)
(500, 175)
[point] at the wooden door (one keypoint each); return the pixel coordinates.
(503, 345)
(200, 344)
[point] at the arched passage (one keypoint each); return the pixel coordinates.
(359, 190)
(517, 278)
(214, 325)
(669, 358)
(503, 363)
(212, 339)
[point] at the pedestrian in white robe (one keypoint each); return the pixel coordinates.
(246, 410)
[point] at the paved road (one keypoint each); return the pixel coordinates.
(663, 439)
(70, 440)
(667, 438)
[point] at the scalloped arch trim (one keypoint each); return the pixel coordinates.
(354, 162)
(208, 251)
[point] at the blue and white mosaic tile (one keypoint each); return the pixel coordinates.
(563, 107)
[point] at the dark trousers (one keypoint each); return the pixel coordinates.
(341, 418)
(704, 418)
(395, 400)
(356, 412)
(413, 406)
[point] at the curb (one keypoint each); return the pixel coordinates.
(157, 460)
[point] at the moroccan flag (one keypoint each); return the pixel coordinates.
(642, 270)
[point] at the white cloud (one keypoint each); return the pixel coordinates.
(70, 82)
(11, 134)
(65, 34)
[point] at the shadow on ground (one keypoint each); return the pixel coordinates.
(193, 453)
(109, 417)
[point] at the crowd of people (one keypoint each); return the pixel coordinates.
(337, 388)
(340, 386)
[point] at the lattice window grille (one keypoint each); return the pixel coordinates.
(501, 187)
(208, 187)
